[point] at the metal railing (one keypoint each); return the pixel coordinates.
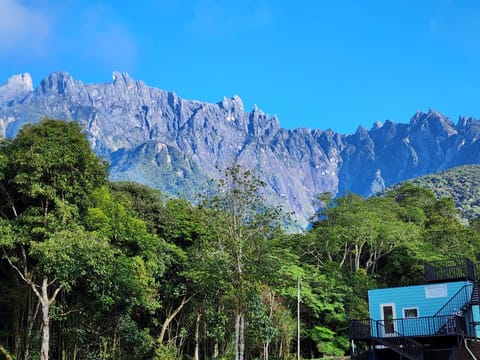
(359, 329)
(421, 326)
(457, 302)
(444, 325)
(449, 269)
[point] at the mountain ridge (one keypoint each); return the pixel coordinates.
(155, 137)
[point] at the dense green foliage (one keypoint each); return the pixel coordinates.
(119, 271)
(459, 183)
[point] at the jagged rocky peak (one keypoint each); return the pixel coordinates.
(466, 122)
(469, 128)
(421, 118)
(122, 79)
(57, 83)
(275, 121)
(434, 122)
(417, 118)
(377, 125)
(381, 132)
(463, 122)
(236, 99)
(260, 119)
(257, 110)
(16, 86)
(361, 133)
(232, 105)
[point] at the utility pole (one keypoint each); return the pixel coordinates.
(298, 317)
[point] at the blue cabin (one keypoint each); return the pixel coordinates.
(439, 319)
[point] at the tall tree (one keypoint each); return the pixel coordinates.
(242, 224)
(356, 233)
(47, 175)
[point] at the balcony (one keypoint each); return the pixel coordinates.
(449, 270)
(431, 326)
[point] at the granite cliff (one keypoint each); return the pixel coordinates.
(155, 137)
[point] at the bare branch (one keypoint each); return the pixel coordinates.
(24, 276)
(68, 312)
(9, 199)
(24, 256)
(55, 293)
(170, 317)
(5, 353)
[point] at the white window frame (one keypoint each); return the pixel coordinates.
(436, 291)
(394, 314)
(410, 308)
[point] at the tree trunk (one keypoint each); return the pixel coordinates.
(197, 337)
(237, 336)
(44, 300)
(216, 345)
(242, 336)
(114, 345)
(17, 320)
(30, 322)
(45, 303)
(169, 319)
(42, 296)
(205, 345)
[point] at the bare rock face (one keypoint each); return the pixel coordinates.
(157, 138)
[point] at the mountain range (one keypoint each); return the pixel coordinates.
(157, 138)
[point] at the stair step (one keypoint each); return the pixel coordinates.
(475, 300)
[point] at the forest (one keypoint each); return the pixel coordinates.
(92, 269)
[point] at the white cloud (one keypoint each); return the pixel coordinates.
(23, 28)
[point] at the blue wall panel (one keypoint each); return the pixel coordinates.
(427, 299)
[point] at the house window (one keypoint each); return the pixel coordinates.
(436, 291)
(410, 313)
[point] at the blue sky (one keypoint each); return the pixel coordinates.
(317, 64)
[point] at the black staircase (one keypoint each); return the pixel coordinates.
(458, 303)
(475, 300)
(451, 314)
(399, 343)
